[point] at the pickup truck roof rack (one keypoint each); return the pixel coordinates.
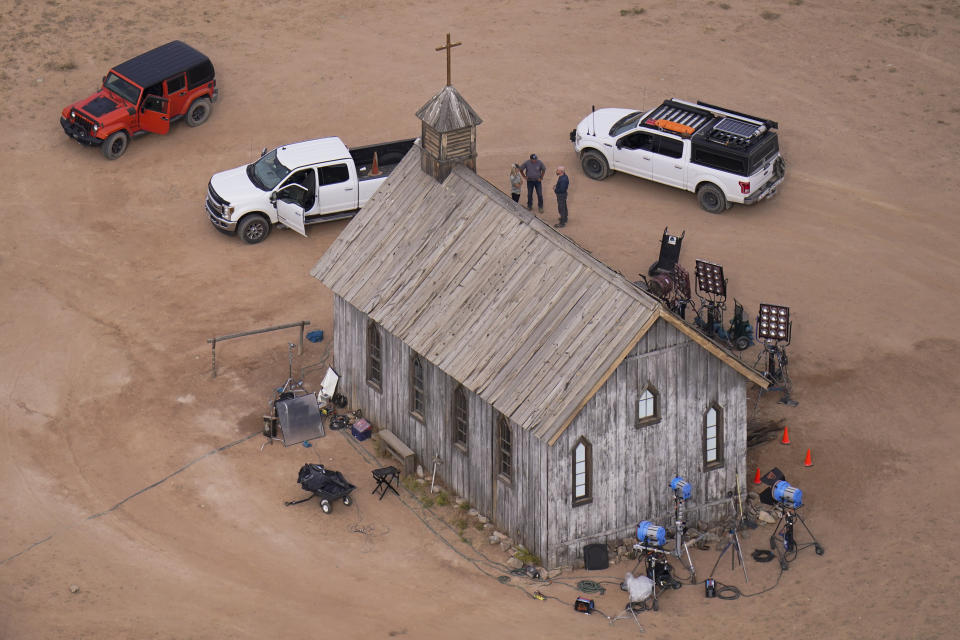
(682, 114)
(708, 122)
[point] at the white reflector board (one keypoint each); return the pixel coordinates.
(329, 385)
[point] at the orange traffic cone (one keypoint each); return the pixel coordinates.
(786, 437)
(756, 478)
(809, 461)
(375, 171)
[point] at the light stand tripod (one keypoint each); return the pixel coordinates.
(679, 515)
(712, 291)
(788, 516)
(734, 541)
(657, 568)
(710, 316)
(776, 371)
(775, 330)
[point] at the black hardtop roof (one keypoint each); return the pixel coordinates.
(159, 64)
(713, 125)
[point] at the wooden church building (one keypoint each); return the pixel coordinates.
(560, 398)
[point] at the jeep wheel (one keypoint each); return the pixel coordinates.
(594, 164)
(115, 145)
(199, 112)
(741, 343)
(254, 228)
(711, 198)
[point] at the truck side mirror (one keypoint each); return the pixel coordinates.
(273, 198)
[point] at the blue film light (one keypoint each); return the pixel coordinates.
(787, 494)
(679, 484)
(651, 533)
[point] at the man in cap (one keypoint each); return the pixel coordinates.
(534, 170)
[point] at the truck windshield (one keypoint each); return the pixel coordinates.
(625, 123)
(267, 172)
(126, 90)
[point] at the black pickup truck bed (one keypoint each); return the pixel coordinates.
(389, 155)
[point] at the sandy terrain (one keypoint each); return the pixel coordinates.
(112, 279)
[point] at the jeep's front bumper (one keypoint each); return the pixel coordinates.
(78, 133)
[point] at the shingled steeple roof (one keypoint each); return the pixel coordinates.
(448, 111)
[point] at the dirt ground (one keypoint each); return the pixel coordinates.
(112, 279)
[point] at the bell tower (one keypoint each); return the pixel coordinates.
(449, 129)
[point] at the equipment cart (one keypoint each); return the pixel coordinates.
(325, 484)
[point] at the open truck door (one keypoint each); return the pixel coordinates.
(289, 204)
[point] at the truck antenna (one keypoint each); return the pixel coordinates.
(593, 116)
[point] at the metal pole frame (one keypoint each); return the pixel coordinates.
(213, 341)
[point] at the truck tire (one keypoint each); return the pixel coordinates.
(711, 198)
(254, 228)
(199, 112)
(115, 145)
(594, 164)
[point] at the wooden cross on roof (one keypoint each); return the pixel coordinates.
(448, 46)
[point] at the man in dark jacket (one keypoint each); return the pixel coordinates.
(534, 171)
(563, 183)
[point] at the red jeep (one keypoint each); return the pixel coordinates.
(144, 94)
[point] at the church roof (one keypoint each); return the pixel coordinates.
(492, 295)
(448, 111)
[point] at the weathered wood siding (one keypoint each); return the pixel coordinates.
(632, 467)
(469, 472)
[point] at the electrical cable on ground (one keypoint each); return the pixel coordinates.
(374, 462)
(136, 493)
(584, 586)
(472, 561)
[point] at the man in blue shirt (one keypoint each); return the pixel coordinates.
(563, 183)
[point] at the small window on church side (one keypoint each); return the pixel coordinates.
(374, 357)
(582, 472)
(648, 407)
(417, 388)
(713, 438)
(504, 449)
(461, 417)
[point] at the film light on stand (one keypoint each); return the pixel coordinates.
(710, 278)
(773, 323)
(649, 533)
(774, 329)
(681, 488)
(787, 494)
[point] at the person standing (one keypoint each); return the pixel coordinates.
(515, 181)
(534, 170)
(563, 183)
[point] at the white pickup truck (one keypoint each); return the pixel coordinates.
(299, 184)
(723, 156)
